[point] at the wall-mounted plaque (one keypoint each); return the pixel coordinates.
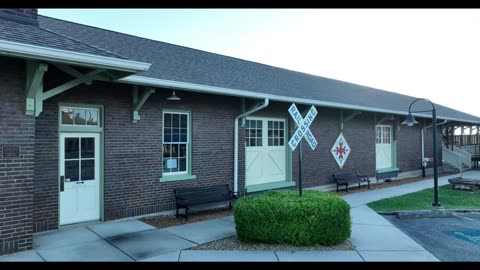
(10, 151)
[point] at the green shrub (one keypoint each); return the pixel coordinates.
(283, 217)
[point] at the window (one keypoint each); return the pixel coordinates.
(276, 136)
(175, 143)
(79, 159)
(379, 135)
(254, 133)
(75, 116)
(386, 135)
(383, 135)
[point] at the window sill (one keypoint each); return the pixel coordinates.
(268, 186)
(383, 170)
(181, 177)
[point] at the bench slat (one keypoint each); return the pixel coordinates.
(189, 196)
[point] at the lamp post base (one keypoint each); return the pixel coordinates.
(436, 204)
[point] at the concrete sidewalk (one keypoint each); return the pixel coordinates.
(373, 236)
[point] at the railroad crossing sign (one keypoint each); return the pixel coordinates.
(303, 127)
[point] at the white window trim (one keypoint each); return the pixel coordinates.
(187, 158)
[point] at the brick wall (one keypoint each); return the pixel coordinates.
(133, 153)
(319, 165)
(409, 147)
(17, 131)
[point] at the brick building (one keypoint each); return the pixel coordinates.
(90, 130)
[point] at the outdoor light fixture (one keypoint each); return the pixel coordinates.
(410, 121)
(173, 96)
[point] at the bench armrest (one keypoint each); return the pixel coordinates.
(233, 195)
(363, 177)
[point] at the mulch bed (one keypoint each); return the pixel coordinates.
(170, 221)
(232, 243)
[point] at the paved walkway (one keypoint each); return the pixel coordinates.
(374, 237)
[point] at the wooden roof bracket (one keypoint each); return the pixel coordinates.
(349, 117)
(35, 96)
(139, 101)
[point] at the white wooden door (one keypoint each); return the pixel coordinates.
(79, 170)
(383, 146)
(265, 150)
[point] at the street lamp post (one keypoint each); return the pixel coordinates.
(410, 121)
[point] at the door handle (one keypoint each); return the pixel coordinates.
(62, 183)
(80, 182)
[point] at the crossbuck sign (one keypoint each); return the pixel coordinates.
(303, 127)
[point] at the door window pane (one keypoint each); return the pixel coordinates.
(71, 148)
(88, 148)
(253, 133)
(379, 135)
(79, 159)
(88, 169)
(71, 170)
(276, 133)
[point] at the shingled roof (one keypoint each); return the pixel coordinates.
(31, 34)
(181, 64)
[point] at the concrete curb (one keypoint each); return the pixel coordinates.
(427, 213)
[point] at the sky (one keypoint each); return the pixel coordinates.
(429, 53)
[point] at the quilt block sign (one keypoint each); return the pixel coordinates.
(340, 150)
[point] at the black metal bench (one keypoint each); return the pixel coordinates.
(189, 196)
(387, 176)
(346, 179)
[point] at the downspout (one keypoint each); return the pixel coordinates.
(423, 132)
(235, 143)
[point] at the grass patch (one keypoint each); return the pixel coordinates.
(422, 200)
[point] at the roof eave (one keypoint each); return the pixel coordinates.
(141, 80)
(29, 51)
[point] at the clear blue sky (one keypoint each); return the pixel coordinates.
(426, 53)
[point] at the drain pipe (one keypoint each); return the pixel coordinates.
(423, 133)
(235, 146)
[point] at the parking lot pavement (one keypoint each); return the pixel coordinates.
(449, 239)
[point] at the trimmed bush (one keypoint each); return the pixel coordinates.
(317, 218)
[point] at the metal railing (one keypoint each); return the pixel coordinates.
(472, 149)
(457, 158)
(466, 156)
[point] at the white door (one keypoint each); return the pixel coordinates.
(265, 150)
(79, 170)
(383, 146)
